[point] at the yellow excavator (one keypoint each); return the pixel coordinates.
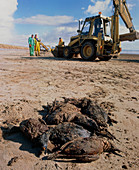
(46, 47)
(99, 36)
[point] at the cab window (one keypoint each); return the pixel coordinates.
(86, 28)
(107, 28)
(98, 27)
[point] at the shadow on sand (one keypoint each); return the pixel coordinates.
(134, 58)
(126, 58)
(26, 145)
(57, 59)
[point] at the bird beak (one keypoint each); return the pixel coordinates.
(44, 148)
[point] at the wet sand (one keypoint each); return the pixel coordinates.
(27, 83)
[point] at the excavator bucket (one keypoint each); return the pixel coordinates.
(58, 52)
(47, 48)
(129, 36)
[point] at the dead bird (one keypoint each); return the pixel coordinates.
(83, 112)
(84, 149)
(65, 132)
(90, 109)
(35, 130)
(70, 113)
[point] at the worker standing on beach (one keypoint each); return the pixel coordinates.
(37, 45)
(31, 45)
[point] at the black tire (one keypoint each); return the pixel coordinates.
(88, 51)
(67, 53)
(104, 58)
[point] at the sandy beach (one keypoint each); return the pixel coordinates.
(28, 83)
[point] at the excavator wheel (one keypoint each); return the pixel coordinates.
(104, 58)
(88, 51)
(67, 52)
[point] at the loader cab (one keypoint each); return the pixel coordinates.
(98, 27)
(93, 25)
(102, 25)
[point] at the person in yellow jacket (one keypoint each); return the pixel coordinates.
(60, 42)
(37, 45)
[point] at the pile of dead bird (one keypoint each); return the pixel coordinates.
(71, 129)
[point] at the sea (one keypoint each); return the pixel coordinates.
(130, 52)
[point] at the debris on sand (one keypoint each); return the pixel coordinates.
(14, 159)
(73, 128)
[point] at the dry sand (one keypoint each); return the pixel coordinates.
(27, 83)
(5, 46)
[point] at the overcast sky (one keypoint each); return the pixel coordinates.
(54, 19)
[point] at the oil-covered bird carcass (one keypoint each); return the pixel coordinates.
(72, 128)
(84, 149)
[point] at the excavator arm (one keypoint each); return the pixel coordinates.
(121, 7)
(124, 13)
(47, 48)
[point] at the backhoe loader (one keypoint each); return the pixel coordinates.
(99, 36)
